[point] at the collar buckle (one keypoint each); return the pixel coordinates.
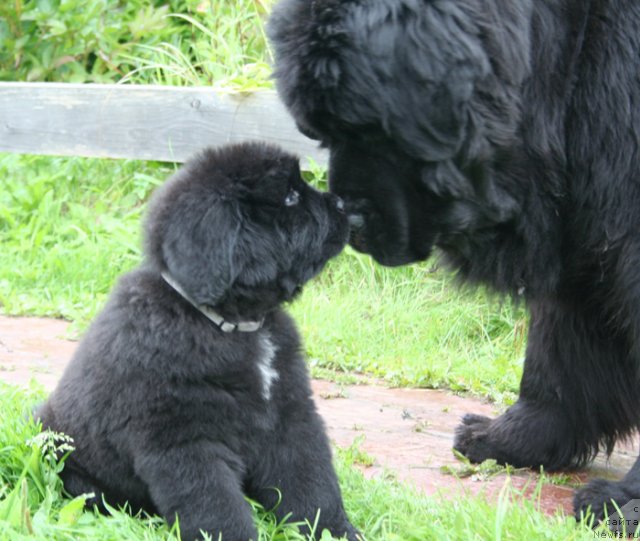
(225, 326)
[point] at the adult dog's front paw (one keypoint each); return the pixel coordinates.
(604, 498)
(472, 438)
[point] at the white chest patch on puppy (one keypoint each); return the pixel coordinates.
(265, 364)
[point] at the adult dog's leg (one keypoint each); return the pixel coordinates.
(600, 495)
(200, 485)
(295, 477)
(577, 394)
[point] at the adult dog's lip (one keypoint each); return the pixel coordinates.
(357, 240)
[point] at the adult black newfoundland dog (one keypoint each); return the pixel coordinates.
(506, 133)
(189, 390)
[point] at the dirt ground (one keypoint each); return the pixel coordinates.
(407, 432)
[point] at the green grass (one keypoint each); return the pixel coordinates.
(410, 327)
(179, 42)
(68, 228)
(33, 507)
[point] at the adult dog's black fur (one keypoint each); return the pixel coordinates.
(505, 132)
(168, 410)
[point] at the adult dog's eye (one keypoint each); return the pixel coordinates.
(293, 198)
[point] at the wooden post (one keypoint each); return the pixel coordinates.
(142, 122)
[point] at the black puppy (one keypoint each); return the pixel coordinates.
(507, 134)
(189, 391)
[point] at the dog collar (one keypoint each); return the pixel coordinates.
(221, 323)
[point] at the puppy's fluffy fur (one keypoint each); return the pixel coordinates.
(173, 415)
(507, 134)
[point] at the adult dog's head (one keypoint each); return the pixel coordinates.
(240, 231)
(417, 100)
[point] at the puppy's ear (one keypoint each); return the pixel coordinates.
(197, 249)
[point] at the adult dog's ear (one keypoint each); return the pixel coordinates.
(408, 68)
(426, 63)
(197, 247)
(309, 39)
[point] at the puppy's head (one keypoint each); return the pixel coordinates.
(239, 230)
(414, 101)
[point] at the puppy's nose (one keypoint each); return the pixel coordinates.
(339, 204)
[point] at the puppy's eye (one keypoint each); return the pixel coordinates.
(293, 198)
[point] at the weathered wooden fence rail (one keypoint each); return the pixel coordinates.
(140, 121)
